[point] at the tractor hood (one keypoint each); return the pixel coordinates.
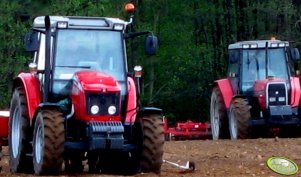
(96, 81)
(262, 87)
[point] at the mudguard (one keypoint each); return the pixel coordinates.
(149, 110)
(225, 87)
(132, 102)
(31, 87)
(295, 91)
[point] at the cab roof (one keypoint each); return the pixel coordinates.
(79, 22)
(259, 44)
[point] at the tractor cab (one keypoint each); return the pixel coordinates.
(81, 44)
(254, 61)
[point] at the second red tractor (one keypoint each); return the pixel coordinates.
(262, 90)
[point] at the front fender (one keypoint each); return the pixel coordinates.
(46, 105)
(149, 110)
(31, 87)
(295, 91)
(131, 112)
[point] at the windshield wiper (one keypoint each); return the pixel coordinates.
(86, 67)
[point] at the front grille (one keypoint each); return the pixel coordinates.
(277, 94)
(103, 101)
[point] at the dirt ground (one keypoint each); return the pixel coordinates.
(216, 158)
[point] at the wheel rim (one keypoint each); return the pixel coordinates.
(16, 132)
(38, 144)
(233, 125)
(215, 119)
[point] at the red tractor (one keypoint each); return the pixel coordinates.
(262, 90)
(81, 103)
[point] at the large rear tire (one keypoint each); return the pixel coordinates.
(239, 116)
(48, 142)
(19, 134)
(153, 142)
(218, 116)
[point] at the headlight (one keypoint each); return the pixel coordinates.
(94, 109)
(272, 99)
(281, 98)
(112, 110)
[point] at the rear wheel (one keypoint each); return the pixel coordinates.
(218, 116)
(48, 142)
(19, 134)
(153, 142)
(239, 116)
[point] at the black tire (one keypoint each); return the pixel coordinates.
(218, 115)
(48, 142)
(239, 116)
(129, 162)
(93, 162)
(73, 161)
(153, 142)
(19, 134)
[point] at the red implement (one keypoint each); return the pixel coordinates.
(4, 115)
(187, 130)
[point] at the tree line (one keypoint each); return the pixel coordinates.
(193, 39)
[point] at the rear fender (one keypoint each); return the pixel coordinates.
(295, 91)
(225, 87)
(31, 87)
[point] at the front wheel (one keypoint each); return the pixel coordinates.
(153, 142)
(48, 142)
(239, 116)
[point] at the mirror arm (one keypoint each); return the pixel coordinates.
(136, 34)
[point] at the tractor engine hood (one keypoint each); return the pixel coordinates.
(96, 96)
(261, 90)
(96, 81)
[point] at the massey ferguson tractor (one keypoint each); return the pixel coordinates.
(262, 90)
(79, 102)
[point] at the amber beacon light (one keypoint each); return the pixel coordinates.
(129, 7)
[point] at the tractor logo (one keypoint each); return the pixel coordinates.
(282, 165)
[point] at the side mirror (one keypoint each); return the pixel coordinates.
(31, 41)
(151, 45)
(295, 54)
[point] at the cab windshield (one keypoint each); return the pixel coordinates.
(255, 67)
(89, 49)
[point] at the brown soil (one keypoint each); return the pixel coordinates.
(217, 158)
